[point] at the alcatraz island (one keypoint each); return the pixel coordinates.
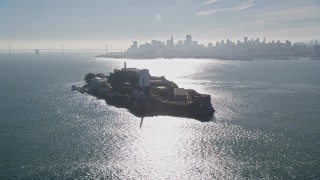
(146, 95)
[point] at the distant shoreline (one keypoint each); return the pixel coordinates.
(121, 56)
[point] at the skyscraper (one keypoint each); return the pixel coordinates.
(245, 40)
(188, 40)
(135, 44)
(170, 43)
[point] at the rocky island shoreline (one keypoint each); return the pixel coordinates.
(145, 95)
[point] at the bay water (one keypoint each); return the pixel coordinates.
(266, 124)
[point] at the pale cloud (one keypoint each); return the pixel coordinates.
(180, 4)
(242, 6)
(185, 2)
(270, 16)
(206, 3)
(295, 34)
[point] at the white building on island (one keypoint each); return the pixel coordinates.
(144, 78)
(142, 74)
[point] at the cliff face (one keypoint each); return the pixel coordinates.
(161, 97)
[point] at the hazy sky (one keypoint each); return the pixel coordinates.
(119, 22)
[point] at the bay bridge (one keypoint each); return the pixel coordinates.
(10, 49)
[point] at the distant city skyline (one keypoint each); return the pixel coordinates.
(189, 41)
(247, 49)
(95, 23)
